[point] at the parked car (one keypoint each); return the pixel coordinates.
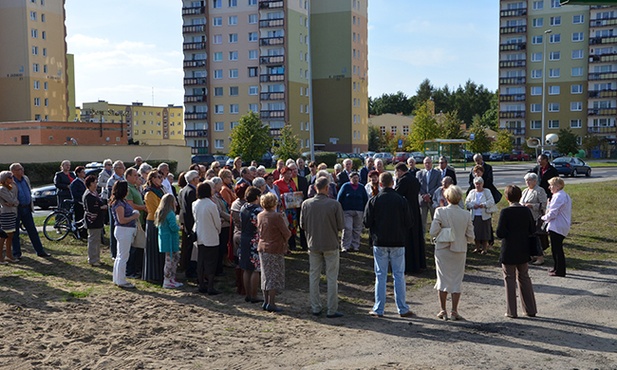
(384, 156)
(367, 154)
(571, 166)
(341, 155)
(400, 157)
(494, 156)
(44, 196)
(467, 155)
(355, 155)
(204, 159)
(418, 156)
(266, 160)
(222, 159)
(553, 154)
(519, 155)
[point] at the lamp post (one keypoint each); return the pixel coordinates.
(544, 57)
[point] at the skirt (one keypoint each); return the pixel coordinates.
(272, 271)
(450, 270)
(8, 222)
(154, 261)
(482, 228)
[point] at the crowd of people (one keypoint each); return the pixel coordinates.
(248, 219)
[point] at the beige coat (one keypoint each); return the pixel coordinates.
(460, 221)
(486, 200)
(537, 198)
(8, 199)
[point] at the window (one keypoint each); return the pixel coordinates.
(217, 39)
(233, 124)
(253, 18)
(34, 33)
(555, 55)
(253, 54)
(576, 123)
(252, 2)
(44, 35)
(577, 71)
(35, 50)
(219, 109)
(37, 102)
(536, 40)
(218, 74)
(233, 90)
(44, 52)
(253, 90)
(553, 123)
(43, 18)
(537, 22)
(234, 108)
(217, 3)
(536, 90)
(37, 85)
(253, 71)
(555, 4)
(218, 56)
(537, 5)
(576, 106)
(219, 126)
(233, 38)
(218, 91)
(554, 90)
(536, 73)
(233, 73)
(578, 19)
(553, 107)
(252, 36)
(35, 67)
(553, 72)
(535, 108)
(232, 20)
(219, 143)
(556, 21)
(233, 3)
(33, 16)
(233, 55)
(536, 124)
(576, 89)
(577, 37)
(536, 57)
(555, 38)
(254, 108)
(217, 21)
(577, 54)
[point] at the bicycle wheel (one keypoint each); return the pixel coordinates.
(56, 226)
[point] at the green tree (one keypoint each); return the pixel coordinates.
(490, 118)
(424, 127)
(481, 142)
(451, 126)
(567, 141)
(504, 142)
(390, 103)
(374, 138)
(250, 139)
(590, 142)
(424, 93)
(287, 145)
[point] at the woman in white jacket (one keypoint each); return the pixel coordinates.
(481, 204)
(207, 228)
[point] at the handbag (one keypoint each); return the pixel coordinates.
(446, 234)
(541, 227)
(139, 239)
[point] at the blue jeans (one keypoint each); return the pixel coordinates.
(395, 256)
(24, 215)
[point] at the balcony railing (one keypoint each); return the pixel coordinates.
(271, 78)
(199, 150)
(197, 116)
(512, 114)
(201, 98)
(512, 29)
(511, 97)
(272, 114)
(272, 59)
(195, 10)
(195, 133)
(194, 63)
(267, 41)
(513, 12)
(512, 80)
(602, 111)
(199, 28)
(272, 96)
(603, 40)
(602, 130)
(603, 76)
(516, 130)
(191, 81)
(271, 4)
(270, 23)
(609, 93)
(513, 47)
(603, 22)
(194, 45)
(603, 58)
(513, 63)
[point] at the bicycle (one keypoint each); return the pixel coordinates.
(59, 223)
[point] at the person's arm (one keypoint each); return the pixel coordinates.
(554, 207)
(542, 198)
(470, 233)
(490, 202)
(470, 200)
(125, 220)
(367, 220)
(502, 225)
(216, 218)
(436, 223)
(340, 219)
(59, 181)
(283, 227)
(173, 225)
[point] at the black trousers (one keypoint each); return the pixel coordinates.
(558, 255)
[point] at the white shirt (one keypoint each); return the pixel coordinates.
(207, 222)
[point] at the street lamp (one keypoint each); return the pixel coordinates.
(544, 57)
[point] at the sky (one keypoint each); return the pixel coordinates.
(131, 50)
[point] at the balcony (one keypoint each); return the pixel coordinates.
(602, 111)
(513, 13)
(511, 80)
(271, 78)
(195, 133)
(192, 81)
(272, 114)
(512, 30)
(195, 10)
(194, 63)
(601, 130)
(512, 114)
(602, 76)
(270, 23)
(603, 58)
(511, 97)
(201, 98)
(272, 59)
(268, 41)
(516, 130)
(610, 93)
(603, 40)
(513, 63)
(199, 150)
(513, 47)
(194, 46)
(200, 28)
(271, 4)
(272, 96)
(604, 22)
(195, 116)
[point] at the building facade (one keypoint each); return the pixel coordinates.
(33, 64)
(557, 69)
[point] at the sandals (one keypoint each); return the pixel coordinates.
(443, 315)
(455, 316)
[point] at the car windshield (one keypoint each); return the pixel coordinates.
(561, 159)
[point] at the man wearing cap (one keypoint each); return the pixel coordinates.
(353, 198)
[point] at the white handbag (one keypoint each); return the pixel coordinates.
(446, 234)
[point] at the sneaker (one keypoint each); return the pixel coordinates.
(177, 284)
(168, 284)
(126, 286)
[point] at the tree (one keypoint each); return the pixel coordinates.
(287, 145)
(390, 103)
(490, 118)
(590, 142)
(424, 92)
(424, 127)
(481, 142)
(374, 138)
(567, 141)
(503, 142)
(250, 139)
(451, 126)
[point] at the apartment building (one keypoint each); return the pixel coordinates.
(253, 55)
(33, 64)
(147, 125)
(557, 69)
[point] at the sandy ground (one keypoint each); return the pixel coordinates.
(151, 328)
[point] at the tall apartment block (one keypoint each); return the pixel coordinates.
(33, 61)
(253, 55)
(570, 49)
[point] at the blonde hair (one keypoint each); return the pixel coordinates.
(453, 194)
(166, 205)
(558, 182)
(268, 201)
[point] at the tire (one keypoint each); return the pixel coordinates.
(588, 173)
(574, 173)
(56, 226)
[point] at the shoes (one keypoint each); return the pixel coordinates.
(316, 313)
(554, 273)
(530, 314)
(4, 263)
(126, 286)
(96, 264)
(44, 255)
(270, 308)
(264, 306)
(213, 292)
(169, 285)
(375, 314)
(510, 316)
(538, 262)
(335, 315)
(455, 316)
(407, 314)
(204, 291)
(551, 270)
(343, 250)
(257, 300)
(134, 276)
(443, 315)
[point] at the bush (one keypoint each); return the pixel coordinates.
(328, 158)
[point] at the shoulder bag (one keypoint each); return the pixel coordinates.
(446, 234)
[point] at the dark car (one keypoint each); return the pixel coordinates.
(266, 160)
(204, 159)
(400, 157)
(45, 196)
(495, 156)
(571, 166)
(222, 159)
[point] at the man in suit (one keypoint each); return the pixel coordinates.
(408, 187)
(302, 169)
(545, 172)
(188, 195)
(429, 179)
(301, 185)
(368, 167)
(312, 175)
(487, 177)
(446, 170)
(343, 177)
(411, 163)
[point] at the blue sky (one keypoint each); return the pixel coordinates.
(127, 50)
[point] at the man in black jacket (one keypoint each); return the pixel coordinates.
(487, 176)
(388, 218)
(545, 172)
(187, 196)
(446, 170)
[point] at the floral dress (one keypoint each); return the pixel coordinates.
(293, 214)
(249, 258)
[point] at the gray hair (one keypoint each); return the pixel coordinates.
(477, 156)
(531, 176)
(118, 163)
(107, 161)
(162, 165)
(338, 167)
(15, 166)
(322, 183)
(478, 180)
(289, 161)
(190, 175)
(145, 168)
(261, 168)
(258, 182)
(216, 180)
(323, 173)
(252, 168)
